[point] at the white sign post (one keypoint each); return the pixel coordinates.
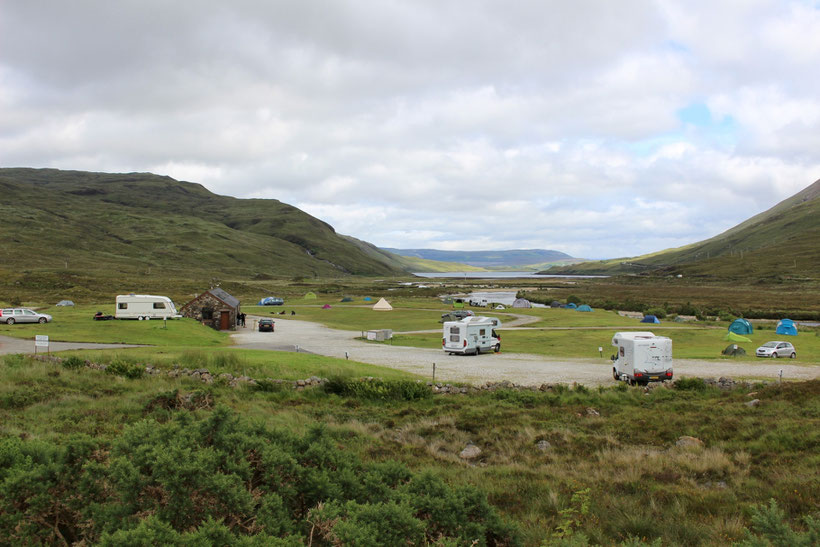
(40, 341)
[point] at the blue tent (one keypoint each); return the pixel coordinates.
(741, 326)
(571, 306)
(650, 319)
(787, 327)
(583, 307)
(271, 301)
(367, 299)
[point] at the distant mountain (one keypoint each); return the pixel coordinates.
(781, 241)
(521, 258)
(134, 222)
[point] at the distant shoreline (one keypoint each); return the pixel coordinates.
(501, 275)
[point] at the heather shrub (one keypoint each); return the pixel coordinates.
(222, 480)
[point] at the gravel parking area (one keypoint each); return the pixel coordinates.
(519, 368)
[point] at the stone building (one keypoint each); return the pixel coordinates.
(215, 308)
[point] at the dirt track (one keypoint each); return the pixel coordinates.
(520, 368)
(18, 345)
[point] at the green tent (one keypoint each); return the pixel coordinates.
(733, 350)
(310, 296)
(732, 337)
(346, 299)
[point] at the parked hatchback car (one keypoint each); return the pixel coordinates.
(266, 325)
(776, 349)
(11, 316)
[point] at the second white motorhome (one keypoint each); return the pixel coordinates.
(144, 307)
(642, 357)
(471, 335)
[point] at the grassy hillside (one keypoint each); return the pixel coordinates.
(781, 241)
(139, 222)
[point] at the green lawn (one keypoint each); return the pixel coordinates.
(76, 324)
(687, 343)
(358, 318)
(254, 363)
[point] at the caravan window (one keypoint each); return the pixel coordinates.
(159, 305)
(122, 305)
(454, 334)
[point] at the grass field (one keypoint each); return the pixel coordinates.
(609, 476)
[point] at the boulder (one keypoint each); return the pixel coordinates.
(543, 445)
(687, 441)
(470, 452)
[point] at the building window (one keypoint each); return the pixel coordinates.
(207, 313)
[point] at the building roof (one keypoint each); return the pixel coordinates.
(224, 296)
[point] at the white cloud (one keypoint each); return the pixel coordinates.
(433, 124)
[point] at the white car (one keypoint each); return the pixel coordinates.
(776, 349)
(11, 316)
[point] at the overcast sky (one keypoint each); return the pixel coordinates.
(598, 128)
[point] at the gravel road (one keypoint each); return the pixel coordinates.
(519, 368)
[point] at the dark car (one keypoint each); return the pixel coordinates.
(266, 325)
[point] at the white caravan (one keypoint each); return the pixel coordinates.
(145, 306)
(642, 357)
(472, 334)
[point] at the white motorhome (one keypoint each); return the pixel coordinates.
(642, 357)
(144, 307)
(478, 301)
(472, 334)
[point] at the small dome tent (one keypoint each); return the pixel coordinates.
(310, 296)
(741, 326)
(521, 303)
(583, 307)
(500, 307)
(733, 350)
(368, 299)
(346, 299)
(650, 319)
(555, 304)
(571, 306)
(382, 305)
(326, 307)
(787, 327)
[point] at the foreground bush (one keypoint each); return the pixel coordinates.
(221, 480)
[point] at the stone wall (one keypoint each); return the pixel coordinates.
(198, 307)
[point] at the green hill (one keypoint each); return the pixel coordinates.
(779, 242)
(136, 222)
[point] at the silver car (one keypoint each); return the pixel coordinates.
(776, 349)
(11, 316)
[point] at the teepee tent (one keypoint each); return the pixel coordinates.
(741, 326)
(784, 326)
(382, 305)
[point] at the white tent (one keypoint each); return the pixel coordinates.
(521, 303)
(382, 305)
(500, 307)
